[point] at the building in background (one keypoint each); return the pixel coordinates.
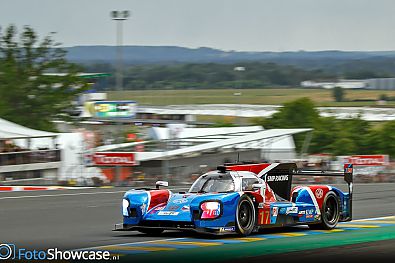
(24, 159)
(345, 84)
(178, 153)
(381, 84)
(375, 84)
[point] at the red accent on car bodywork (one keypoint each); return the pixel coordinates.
(269, 195)
(158, 197)
(255, 168)
(318, 195)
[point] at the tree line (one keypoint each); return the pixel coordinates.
(208, 76)
(330, 135)
(221, 76)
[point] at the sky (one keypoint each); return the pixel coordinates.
(242, 25)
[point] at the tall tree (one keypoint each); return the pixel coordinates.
(338, 94)
(29, 94)
(386, 142)
(299, 113)
(330, 135)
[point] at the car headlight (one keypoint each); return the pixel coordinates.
(125, 206)
(210, 210)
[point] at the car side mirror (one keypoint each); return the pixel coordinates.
(260, 187)
(161, 183)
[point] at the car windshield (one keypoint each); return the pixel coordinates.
(213, 183)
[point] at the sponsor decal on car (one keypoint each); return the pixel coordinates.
(156, 209)
(319, 193)
(180, 201)
(226, 229)
(168, 213)
(292, 210)
(301, 213)
(310, 213)
(277, 178)
(275, 211)
(173, 207)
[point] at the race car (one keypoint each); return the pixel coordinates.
(240, 198)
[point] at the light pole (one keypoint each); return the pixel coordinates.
(119, 17)
(238, 94)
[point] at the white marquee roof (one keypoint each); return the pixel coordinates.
(223, 143)
(10, 130)
(161, 133)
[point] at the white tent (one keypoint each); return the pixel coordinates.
(10, 130)
(264, 138)
(161, 133)
(71, 144)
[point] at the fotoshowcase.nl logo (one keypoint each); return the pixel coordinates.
(7, 251)
(11, 252)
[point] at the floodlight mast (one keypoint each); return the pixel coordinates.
(119, 17)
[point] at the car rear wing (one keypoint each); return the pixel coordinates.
(347, 173)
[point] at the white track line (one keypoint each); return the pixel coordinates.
(74, 194)
(372, 218)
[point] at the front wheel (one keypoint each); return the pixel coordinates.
(330, 212)
(245, 216)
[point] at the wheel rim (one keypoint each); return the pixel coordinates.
(331, 210)
(244, 216)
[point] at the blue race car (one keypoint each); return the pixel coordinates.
(239, 199)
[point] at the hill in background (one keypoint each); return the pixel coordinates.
(170, 67)
(173, 54)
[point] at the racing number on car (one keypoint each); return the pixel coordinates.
(265, 217)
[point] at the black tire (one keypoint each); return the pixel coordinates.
(330, 212)
(151, 231)
(245, 216)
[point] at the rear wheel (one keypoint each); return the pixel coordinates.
(330, 212)
(151, 231)
(245, 216)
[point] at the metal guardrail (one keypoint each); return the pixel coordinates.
(28, 157)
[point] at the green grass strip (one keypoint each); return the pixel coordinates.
(265, 247)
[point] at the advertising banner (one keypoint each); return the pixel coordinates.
(110, 109)
(368, 160)
(114, 159)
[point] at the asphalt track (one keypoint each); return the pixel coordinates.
(74, 219)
